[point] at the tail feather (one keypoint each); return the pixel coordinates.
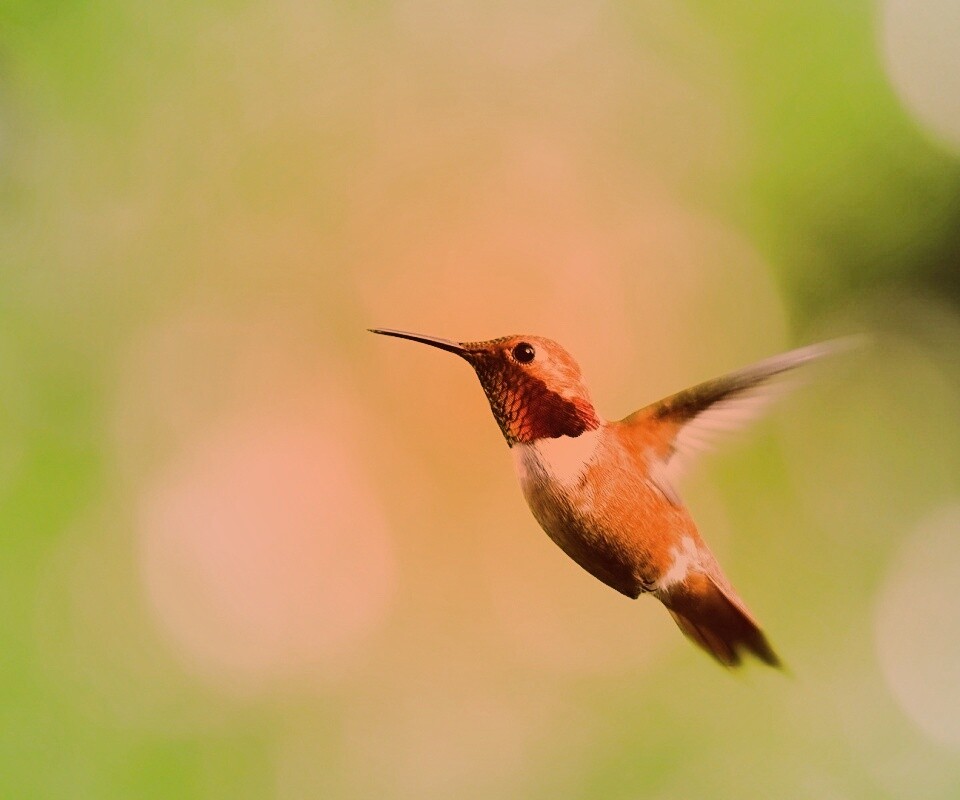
(717, 620)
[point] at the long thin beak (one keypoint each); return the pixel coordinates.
(433, 341)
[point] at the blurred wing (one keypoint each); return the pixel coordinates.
(692, 421)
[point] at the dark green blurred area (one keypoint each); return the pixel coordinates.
(837, 154)
(208, 159)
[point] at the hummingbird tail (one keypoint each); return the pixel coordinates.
(717, 621)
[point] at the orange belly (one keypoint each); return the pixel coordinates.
(604, 512)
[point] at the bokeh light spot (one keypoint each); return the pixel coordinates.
(918, 626)
(920, 47)
(263, 550)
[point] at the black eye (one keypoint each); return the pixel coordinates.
(524, 353)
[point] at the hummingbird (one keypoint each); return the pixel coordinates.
(606, 491)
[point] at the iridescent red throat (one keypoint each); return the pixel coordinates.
(526, 409)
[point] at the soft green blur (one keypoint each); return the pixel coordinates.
(250, 550)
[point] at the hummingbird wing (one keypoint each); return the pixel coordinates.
(681, 426)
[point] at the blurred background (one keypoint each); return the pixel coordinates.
(251, 551)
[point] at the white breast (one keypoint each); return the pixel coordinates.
(562, 460)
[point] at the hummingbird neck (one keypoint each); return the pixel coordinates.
(530, 411)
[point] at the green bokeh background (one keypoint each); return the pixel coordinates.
(284, 175)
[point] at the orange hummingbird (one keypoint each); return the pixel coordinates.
(605, 492)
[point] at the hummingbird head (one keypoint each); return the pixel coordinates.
(534, 386)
